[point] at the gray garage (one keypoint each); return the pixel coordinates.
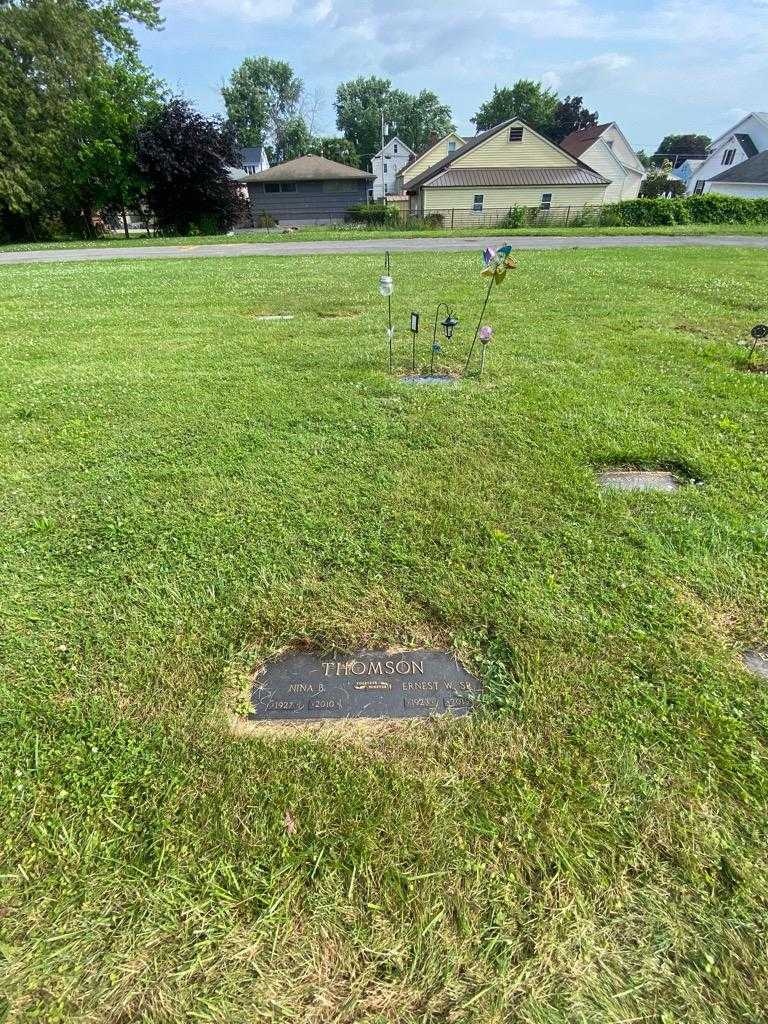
(308, 190)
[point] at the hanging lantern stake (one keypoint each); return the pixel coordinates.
(386, 287)
(448, 325)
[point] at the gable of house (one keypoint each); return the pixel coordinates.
(432, 155)
(606, 150)
(512, 144)
(755, 125)
(742, 142)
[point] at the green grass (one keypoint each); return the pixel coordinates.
(187, 490)
(321, 234)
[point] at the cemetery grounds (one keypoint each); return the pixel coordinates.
(189, 490)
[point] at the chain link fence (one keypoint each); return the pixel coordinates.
(505, 217)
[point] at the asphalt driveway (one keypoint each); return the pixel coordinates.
(167, 252)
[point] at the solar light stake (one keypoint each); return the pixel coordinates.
(414, 332)
(448, 325)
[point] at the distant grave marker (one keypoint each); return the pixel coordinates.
(427, 378)
(638, 480)
(757, 662)
(304, 686)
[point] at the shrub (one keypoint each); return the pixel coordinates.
(266, 220)
(709, 208)
(516, 218)
(434, 220)
(372, 215)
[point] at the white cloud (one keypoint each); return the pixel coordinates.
(321, 10)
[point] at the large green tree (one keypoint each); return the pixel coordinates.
(99, 161)
(263, 99)
(184, 159)
(49, 50)
(570, 115)
(361, 102)
(683, 147)
(335, 147)
(531, 101)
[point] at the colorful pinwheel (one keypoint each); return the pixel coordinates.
(496, 264)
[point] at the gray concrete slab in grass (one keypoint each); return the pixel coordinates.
(638, 480)
(756, 662)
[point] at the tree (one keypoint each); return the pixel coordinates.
(100, 158)
(48, 51)
(184, 159)
(684, 147)
(644, 159)
(657, 183)
(571, 115)
(334, 147)
(531, 101)
(263, 100)
(361, 102)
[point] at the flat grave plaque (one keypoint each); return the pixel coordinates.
(638, 480)
(757, 662)
(303, 686)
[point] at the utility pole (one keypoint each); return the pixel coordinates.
(383, 182)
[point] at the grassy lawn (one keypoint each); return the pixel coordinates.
(328, 234)
(187, 490)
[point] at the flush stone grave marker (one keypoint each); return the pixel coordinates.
(304, 686)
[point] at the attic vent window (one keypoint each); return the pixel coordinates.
(728, 156)
(515, 134)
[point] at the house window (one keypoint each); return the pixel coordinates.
(271, 186)
(699, 187)
(395, 147)
(451, 147)
(288, 186)
(370, 193)
(546, 201)
(477, 203)
(385, 168)
(515, 134)
(728, 156)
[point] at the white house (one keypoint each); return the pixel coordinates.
(386, 165)
(605, 149)
(742, 142)
(748, 179)
(686, 169)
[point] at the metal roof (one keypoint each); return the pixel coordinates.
(414, 183)
(427, 177)
(498, 177)
(310, 168)
(752, 172)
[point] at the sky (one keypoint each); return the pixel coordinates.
(653, 66)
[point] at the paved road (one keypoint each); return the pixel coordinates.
(165, 252)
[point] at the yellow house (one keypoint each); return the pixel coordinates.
(436, 151)
(508, 166)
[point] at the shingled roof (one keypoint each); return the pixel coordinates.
(751, 172)
(310, 168)
(578, 142)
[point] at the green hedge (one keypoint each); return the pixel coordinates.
(373, 214)
(709, 208)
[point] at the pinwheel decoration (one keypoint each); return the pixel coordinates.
(498, 262)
